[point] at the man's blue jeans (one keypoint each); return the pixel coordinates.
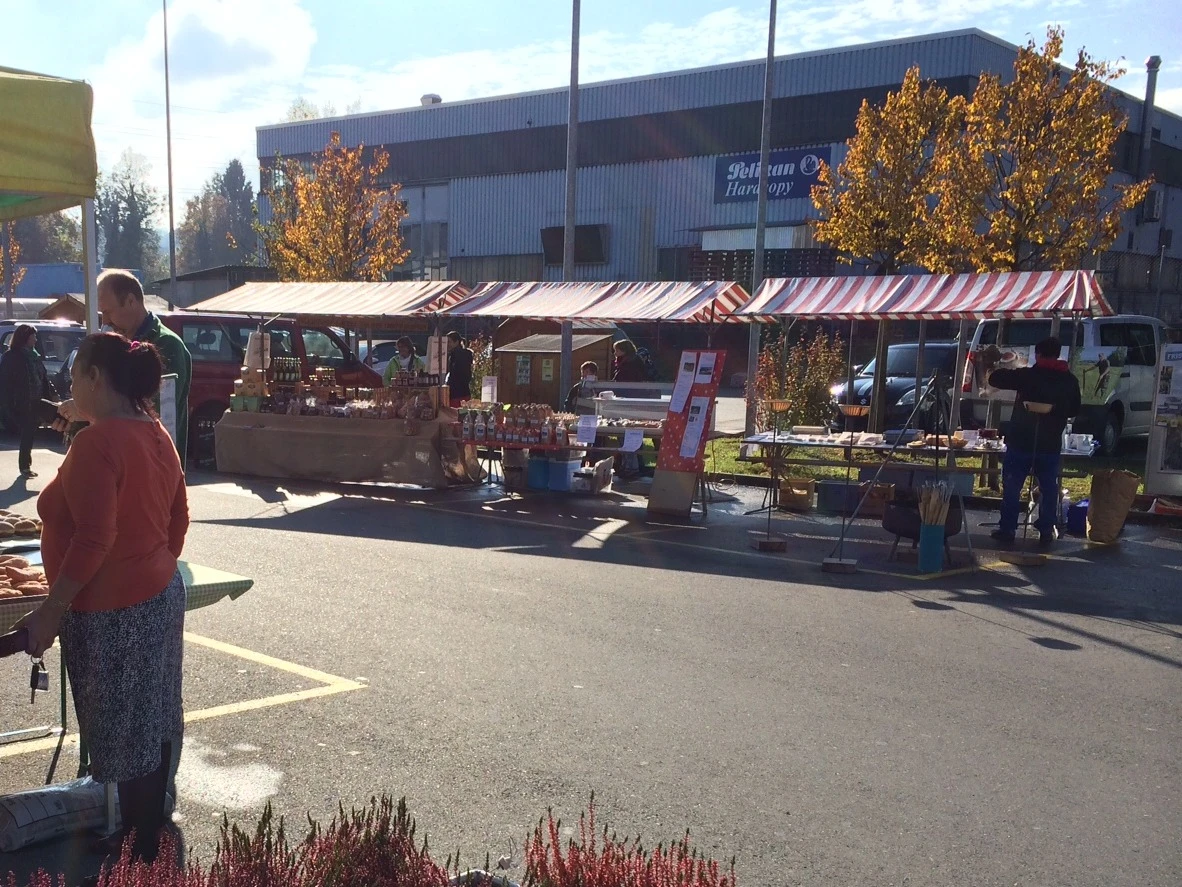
(1015, 468)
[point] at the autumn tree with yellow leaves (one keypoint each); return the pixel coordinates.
(876, 204)
(1016, 178)
(1026, 184)
(334, 221)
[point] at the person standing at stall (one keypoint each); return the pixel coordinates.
(405, 361)
(627, 365)
(459, 369)
(23, 382)
(115, 520)
(1034, 441)
(121, 303)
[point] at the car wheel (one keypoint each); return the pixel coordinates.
(1110, 434)
(201, 434)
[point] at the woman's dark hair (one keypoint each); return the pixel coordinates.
(625, 347)
(405, 340)
(21, 337)
(132, 369)
(457, 338)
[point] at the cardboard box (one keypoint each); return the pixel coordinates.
(593, 478)
(796, 493)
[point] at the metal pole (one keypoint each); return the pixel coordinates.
(90, 264)
(919, 373)
(9, 271)
(761, 215)
(168, 138)
(565, 373)
(1161, 268)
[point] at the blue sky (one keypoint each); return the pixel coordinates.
(237, 64)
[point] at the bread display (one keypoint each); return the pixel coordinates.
(12, 524)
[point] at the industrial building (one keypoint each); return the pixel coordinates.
(668, 170)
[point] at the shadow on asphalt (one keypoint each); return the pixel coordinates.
(1080, 581)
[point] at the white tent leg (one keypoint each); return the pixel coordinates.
(90, 264)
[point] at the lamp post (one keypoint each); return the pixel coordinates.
(565, 370)
(168, 148)
(761, 217)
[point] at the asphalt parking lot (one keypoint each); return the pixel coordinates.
(490, 657)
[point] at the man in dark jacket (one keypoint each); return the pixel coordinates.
(1034, 440)
(23, 383)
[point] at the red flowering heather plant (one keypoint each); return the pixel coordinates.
(374, 847)
(607, 861)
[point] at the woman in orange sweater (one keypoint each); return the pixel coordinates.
(115, 522)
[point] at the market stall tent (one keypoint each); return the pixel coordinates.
(619, 302)
(47, 155)
(348, 302)
(1014, 294)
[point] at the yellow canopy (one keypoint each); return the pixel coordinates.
(47, 157)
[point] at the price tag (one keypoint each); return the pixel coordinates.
(588, 428)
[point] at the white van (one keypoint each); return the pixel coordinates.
(1115, 359)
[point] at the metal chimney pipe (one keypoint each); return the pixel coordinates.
(1152, 66)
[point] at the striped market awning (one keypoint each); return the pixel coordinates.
(930, 296)
(678, 302)
(346, 301)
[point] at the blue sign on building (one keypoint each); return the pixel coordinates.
(791, 173)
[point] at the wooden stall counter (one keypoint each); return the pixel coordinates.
(339, 450)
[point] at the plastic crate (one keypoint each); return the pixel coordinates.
(1077, 518)
(561, 473)
(537, 473)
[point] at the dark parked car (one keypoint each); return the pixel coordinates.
(900, 387)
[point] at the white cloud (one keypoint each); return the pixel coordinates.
(238, 64)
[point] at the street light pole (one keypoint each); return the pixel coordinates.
(568, 232)
(168, 148)
(761, 216)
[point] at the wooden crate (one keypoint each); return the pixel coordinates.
(796, 493)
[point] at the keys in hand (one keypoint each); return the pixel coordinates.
(38, 680)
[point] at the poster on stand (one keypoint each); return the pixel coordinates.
(695, 425)
(675, 454)
(685, 381)
(1163, 469)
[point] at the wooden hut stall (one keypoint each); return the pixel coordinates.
(529, 368)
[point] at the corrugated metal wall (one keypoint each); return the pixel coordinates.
(854, 67)
(647, 206)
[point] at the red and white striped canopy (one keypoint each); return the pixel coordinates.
(930, 296)
(704, 302)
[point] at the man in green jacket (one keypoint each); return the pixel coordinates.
(121, 303)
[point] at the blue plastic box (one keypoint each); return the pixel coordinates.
(1077, 518)
(562, 473)
(537, 473)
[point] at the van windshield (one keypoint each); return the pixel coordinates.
(901, 361)
(1026, 333)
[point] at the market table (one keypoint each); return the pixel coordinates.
(342, 450)
(781, 442)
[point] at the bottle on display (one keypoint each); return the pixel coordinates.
(481, 427)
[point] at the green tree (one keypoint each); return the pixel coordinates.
(126, 210)
(54, 237)
(218, 227)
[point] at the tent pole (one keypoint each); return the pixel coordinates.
(6, 264)
(761, 215)
(90, 264)
(919, 374)
(962, 353)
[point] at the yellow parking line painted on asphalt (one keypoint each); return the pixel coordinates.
(329, 685)
(271, 662)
